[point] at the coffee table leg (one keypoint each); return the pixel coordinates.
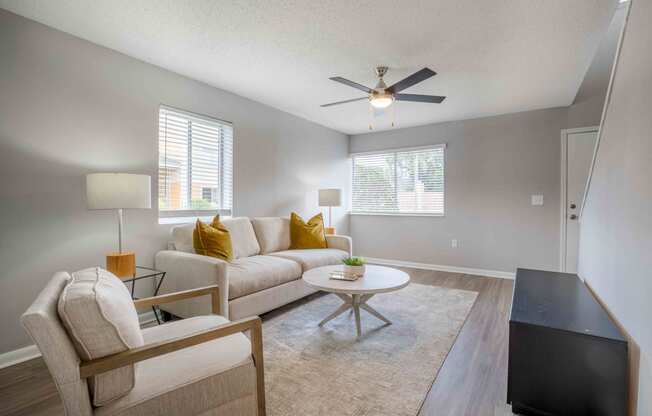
(364, 305)
(343, 308)
(356, 310)
(354, 302)
(375, 313)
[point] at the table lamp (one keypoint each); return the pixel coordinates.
(119, 191)
(330, 198)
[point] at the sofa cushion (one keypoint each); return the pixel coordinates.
(253, 274)
(191, 380)
(243, 237)
(273, 233)
(311, 258)
(182, 237)
(99, 315)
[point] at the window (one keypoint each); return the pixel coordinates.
(195, 165)
(404, 181)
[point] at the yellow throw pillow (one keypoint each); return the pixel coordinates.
(307, 234)
(212, 240)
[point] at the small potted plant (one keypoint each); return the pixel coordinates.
(354, 266)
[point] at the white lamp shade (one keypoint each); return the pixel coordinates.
(330, 197)
(118, 190)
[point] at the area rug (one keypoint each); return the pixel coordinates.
(312, 370)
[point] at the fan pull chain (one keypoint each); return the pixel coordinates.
(393, 113)
(371, 117)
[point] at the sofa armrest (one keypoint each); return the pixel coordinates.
(185, 271)
(213, 291)
(341, 242)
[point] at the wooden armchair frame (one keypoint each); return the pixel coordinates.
(252, 324)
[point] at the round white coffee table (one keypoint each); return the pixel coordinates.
(355, 295)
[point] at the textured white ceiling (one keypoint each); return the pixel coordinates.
(492, 56)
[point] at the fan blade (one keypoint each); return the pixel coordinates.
(415, 78)
(351, 84)
(345, 101)
(419, 98)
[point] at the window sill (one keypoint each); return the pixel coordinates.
(187, 220)
(398, 214)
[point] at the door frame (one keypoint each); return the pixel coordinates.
(563, 220)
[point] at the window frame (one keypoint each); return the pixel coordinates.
(395, 151)
(191, 215)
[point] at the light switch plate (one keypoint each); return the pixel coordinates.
(537, 200)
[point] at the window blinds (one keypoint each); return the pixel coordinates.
(406, 181)
(195, 164)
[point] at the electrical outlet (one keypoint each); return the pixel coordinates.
(454, 243)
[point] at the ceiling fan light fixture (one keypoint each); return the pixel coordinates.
(383, 96)
(381, 100)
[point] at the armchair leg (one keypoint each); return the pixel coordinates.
(257, 352)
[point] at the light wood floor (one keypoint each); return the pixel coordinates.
(472, 381)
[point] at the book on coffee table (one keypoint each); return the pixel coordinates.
(339, 275)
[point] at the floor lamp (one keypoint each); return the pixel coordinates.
(119, 191)
(330, 198)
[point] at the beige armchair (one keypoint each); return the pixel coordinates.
(199, 366)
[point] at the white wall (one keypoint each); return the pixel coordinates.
(616, 225)
(493, 166)
(69, 107)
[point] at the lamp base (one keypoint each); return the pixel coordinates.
(121, 264)
(329, 230)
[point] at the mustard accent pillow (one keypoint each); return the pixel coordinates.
(212, 240)
(307, 234)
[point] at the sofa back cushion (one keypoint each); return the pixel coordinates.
(99, 315)
(243, 237)
(182, 237)
(273, 233)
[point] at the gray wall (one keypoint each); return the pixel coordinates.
(616, 225)
(587, 106)
(69, 107)
(493, 166)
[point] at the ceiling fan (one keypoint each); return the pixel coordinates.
(383, 96)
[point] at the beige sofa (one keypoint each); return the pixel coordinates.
(265, 274)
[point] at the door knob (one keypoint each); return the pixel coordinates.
(573, 206)
(573, 217)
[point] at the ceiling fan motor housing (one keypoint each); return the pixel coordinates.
(381, 86)
(381, 70)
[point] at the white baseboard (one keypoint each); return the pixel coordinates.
(18, 356)
(29, 352)
(441, 268)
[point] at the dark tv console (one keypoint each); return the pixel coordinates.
(566, 356)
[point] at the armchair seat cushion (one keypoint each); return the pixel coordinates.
(192, 380)
(252, 274)
(311, 258)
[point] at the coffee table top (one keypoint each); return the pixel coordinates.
(377, 279)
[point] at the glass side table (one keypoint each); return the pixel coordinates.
(142, 273)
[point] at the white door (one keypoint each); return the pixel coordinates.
(580, 145)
